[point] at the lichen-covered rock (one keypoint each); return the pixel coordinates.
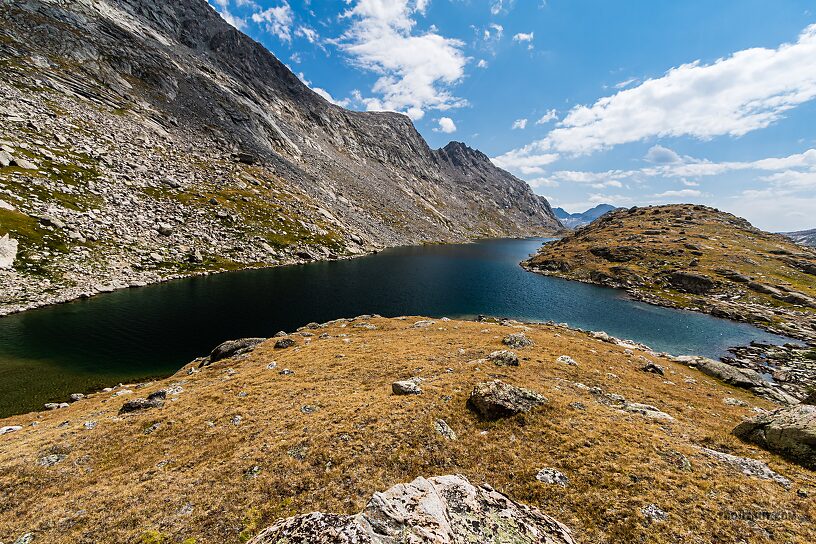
(496, 399)
(749, 467)
(517, 340)
(154, 400)
(503, 357)
(283, 343)
(789, 431)
(439, 510)
(691, 282)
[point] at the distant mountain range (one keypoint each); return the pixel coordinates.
(575, 220)
(804, 237)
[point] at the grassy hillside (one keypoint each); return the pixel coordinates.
(240, 443)
(694, 257)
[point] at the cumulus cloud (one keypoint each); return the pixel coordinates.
(524, 163)
(417, 70)
(662, 155)
(551, 115)
(520, 124)
(525, 37)
(482, 63)
(277, 20)
(446, 125)
(747, 91)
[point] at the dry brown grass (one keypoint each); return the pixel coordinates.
(118, 484)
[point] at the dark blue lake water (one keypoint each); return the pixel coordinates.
(47, 354)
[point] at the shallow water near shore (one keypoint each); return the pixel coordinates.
(128, 335)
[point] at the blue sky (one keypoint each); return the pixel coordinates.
(630, 103)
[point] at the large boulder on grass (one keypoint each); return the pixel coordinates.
(789, 431)
(496, 399)
(443, 509)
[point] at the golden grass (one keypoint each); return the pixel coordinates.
(189, 481)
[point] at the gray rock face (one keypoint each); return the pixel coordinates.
(789, 431)
(496, 399)
(8, 251)
(739, 377)
(176, 102)
(439, 510)
(691, 282)
(231, 348)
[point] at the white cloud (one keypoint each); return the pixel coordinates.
(446, 125)
(682, 193)
(277, 20)
(524, 37)
(323, 92)
(501, 6)
(481, 64)
(520, 124)
(661, 155)
(626, 83)
(310, 34)
(416, 70)
(551, 115)
(746, 91)
(526, 164)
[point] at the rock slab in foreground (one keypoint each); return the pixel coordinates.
(444, 509)
(496, 399)
(789, 431)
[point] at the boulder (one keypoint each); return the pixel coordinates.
(406, 387)
(566, 360)
(443, 509)
(749, 467)
(517, 340)
(8, 251)
(496, 399)
(444, 429)
(231, 348)
(283, 343)
(691, 282)
(653, 368)
(788, 431)
(738, 377)
(504, 357)
(155, 400)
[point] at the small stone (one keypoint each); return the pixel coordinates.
(406, 387)
(283, 343)
(26, 538)
(50, 460)
(236, 420)
(9, 429)
(55, 405)
(75, 397)
(444, 429)
(286, 372)
(652, 513)
(153, 428)
(308, 409)
(566, 360)
(272, 366)
(731, 401)
(89, 425)
(252, 472)
(552, 476)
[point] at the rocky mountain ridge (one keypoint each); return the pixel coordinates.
(804, 237)
(575, 220)
(144, 140)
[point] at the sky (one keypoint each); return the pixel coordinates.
(634, 102)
